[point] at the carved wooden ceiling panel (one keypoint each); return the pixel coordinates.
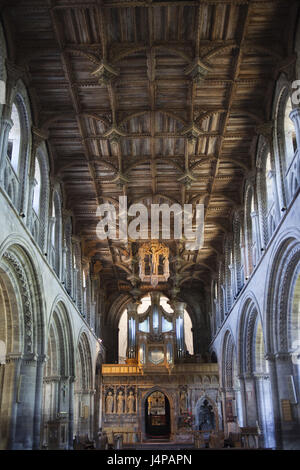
(123, 85)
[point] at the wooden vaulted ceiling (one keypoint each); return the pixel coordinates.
(137, 96)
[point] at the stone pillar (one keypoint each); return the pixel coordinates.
(71, 412)
(38, 402)
(295, 117)
(289, 428)
(10, 396)
(243, 398)
(275, 400)
(250, 400)
(24, 432)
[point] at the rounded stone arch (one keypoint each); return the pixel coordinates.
(60, 316)
(266, 221)
(227, 365)
(144, 394)
(22, 296)
(284, 262)
(249, 315)
(19, 97)
(58, 380)
(22, 337)
(83, 387)
(281, 97)
(199, 403)
(83, 355)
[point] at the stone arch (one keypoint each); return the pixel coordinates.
(228, 350)
(22, 333)
(58, 382)
(19, 96)
(249, 313)
(284, 262)
(281, 97)
(22, 280)
(254, 370)
(267, 217)
(172, 402)
(83, 388)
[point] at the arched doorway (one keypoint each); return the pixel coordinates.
(157, 416)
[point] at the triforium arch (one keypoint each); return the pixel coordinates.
(282, 319)
(22, 336)
(58, 382)
(83, 389)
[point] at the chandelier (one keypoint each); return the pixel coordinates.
(154, 262)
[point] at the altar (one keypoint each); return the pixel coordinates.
(157, 394)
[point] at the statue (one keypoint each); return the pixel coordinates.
(182, 402)
(206, 417)
(120, 405)
(109, 402)
(130, 402)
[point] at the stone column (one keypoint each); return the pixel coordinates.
(25, 417)
(10, 396)
(250, 400)
(275, 399)
(295, 117)
(38, 402)
(289, 429)
(71, 412)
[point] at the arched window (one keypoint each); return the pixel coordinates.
(12, 171)
(289, 135)
(250, 230)
(14, 139)
(266, 184)
(285, 145)
(37, 188)
(56, 233)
